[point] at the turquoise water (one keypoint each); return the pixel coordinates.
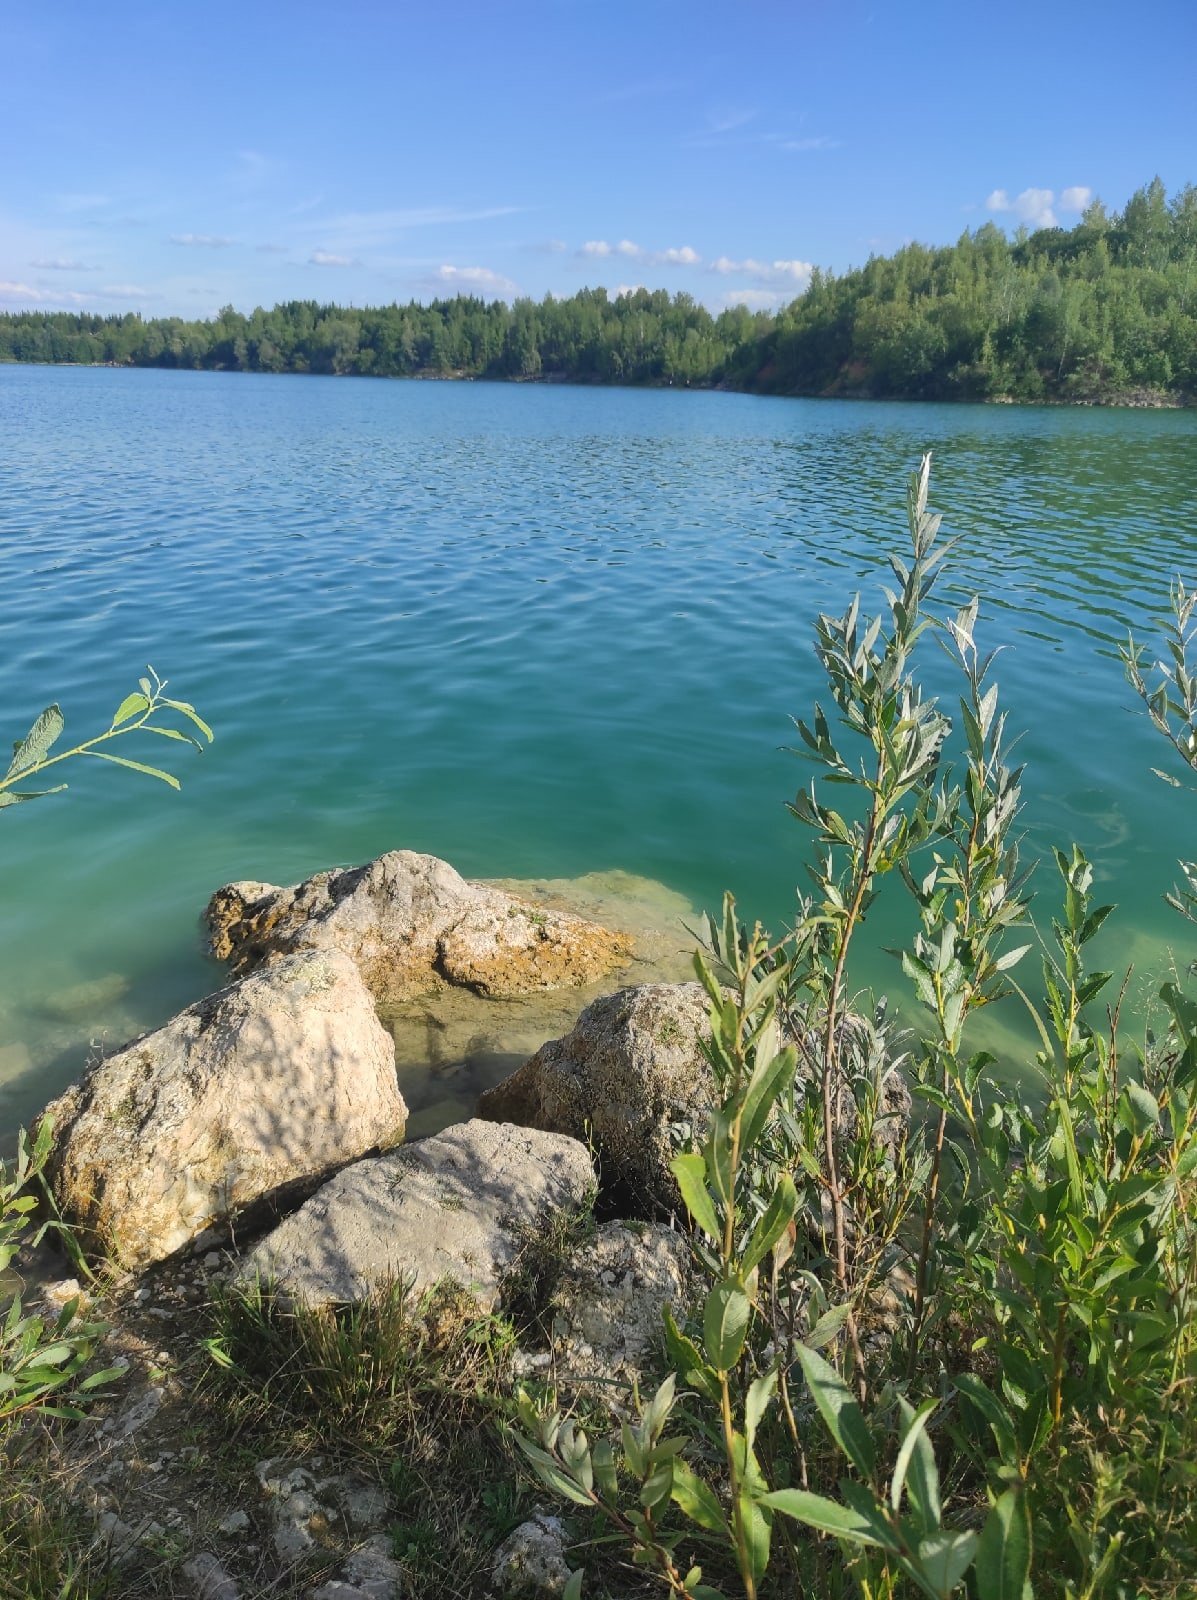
(538, 631)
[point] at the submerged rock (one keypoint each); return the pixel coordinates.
(453, 1208)
(269, 1083)
(632, 1077)
(413, 925)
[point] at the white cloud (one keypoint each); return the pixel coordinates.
(475, 278)
(60, 264)
(677, 256)
(271, 249)
(820, 142)
(627, 288)
(727, 121)
(362, 230)
(755, 299)
(128, 291)
(29, 292)
(1076, 198)
(326, 258)
(202, 241)
(764, 273)
(1033, 207)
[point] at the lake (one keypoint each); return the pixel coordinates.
(539, 631)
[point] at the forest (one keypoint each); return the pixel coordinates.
(1103, 311)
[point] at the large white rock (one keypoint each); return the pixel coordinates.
(456, 1208)
(413, 925)
(272, 1082)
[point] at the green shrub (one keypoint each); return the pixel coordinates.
(1009, 1290)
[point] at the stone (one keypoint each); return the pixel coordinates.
(135, 1413)
(413, 925)
(609, 1305)
(456, 1207)
(373, 1571)
(209, 1580)
(531, 1562)
(265, 1086)
(235, 1522)
(631, 1077)
(300, 1518)
(84, 1002)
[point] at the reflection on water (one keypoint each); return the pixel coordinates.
(531, 630)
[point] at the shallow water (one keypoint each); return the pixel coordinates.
(542, 632)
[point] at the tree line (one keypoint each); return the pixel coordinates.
(1101, 311)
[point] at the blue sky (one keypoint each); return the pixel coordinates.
(172, 158)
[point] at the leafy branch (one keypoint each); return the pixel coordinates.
(137, 713)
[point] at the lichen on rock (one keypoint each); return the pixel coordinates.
(270, 1083)
(413, 925)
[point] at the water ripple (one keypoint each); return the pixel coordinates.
(538, 631)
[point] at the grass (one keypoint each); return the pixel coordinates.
(407, 1389)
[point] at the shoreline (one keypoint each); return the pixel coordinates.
(1132, 400)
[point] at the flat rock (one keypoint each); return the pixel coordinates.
(456, 1207)
(414, 926)
(266, 1085)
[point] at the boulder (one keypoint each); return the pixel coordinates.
(609, 1305)
(530, 1564)
(455, 1208)
(265, 1086)
(413, 925)
(631, 1077)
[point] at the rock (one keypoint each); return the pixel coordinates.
(372, 1570)
(80, 1002)
(58, 1295)
(453, 1207)
(632, 1077)
(609, 1305)
(209, 1580)
(307, 1511)
(135, 1413)
(413, 925)
(235, 1522)
(301, 1518)
(531, 1561)
(371, 1573)
(271, 1082)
